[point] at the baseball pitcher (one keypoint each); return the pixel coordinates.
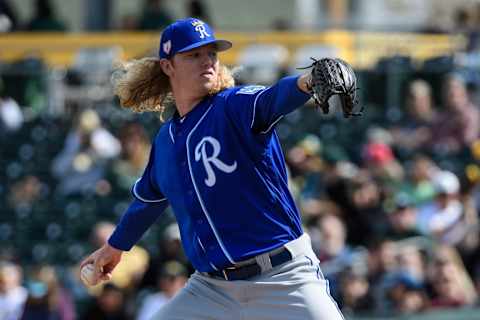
(218, 163)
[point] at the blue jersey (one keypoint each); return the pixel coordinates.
(222, 170)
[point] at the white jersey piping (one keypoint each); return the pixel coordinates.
(139, 197)
(200, 200)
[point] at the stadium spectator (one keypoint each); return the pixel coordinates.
(45, 18)
(25, 193)
(8, 17)
(128, 22)
(155, 16)
(405, 294)
(459, 124)
(402, 217)
(443, 217)
(419, 185)
(355, 296)
(109, 305)
(169, 249)
(47, 299)
(12, 294)
(415, 130)
(381, 162)
(451, 284)
(382, 265)
(466, 23)
(172, 276)
(333, 247)
(407, 288)
(334, 253)
(83, 161)
(411, 261)
(11, 116)
(198, 9)
(135, 146)
(306, 167)
(365, 219)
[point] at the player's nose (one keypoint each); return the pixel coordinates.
(207, 60)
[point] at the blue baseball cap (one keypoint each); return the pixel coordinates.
(187, 34)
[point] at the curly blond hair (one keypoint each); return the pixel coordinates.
(141, 85)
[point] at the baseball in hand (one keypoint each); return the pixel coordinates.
(88, 276)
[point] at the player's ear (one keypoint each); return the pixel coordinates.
(166, 66)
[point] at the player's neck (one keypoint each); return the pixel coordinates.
(186, 104)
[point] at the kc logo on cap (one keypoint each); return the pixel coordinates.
(187, 34)
(200, 27)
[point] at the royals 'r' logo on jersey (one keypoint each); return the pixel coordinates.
(209, 160)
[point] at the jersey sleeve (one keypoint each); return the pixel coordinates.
(145, 189)
(259, 108)
(135, 221)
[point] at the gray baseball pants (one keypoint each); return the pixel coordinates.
(291, 291)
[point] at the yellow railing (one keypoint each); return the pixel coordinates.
(361, 49)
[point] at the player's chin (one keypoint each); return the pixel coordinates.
(208, 84)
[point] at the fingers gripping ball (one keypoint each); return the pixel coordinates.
(88, 275)
(334, 77)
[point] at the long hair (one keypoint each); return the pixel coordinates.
(141, 85)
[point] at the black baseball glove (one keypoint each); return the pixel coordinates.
(334, 77)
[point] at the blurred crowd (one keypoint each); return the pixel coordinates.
(397, 230)
(391, 203)
(155, 15)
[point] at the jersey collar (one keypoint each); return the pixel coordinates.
(193, 115)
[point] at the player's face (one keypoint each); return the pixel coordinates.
(196, 69)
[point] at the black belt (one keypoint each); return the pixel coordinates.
(253, 269)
